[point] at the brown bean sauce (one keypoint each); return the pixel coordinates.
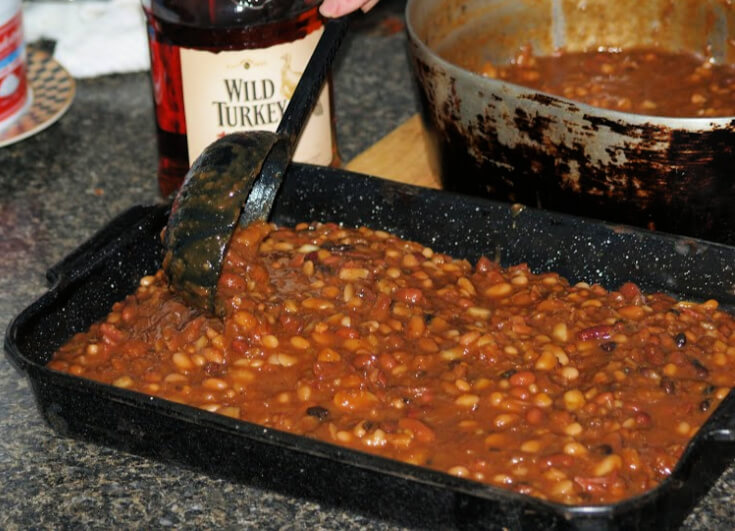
(573, 393)
(643, 81)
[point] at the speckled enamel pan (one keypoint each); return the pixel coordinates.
(109, 266)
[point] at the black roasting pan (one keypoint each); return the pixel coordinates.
(106, 268)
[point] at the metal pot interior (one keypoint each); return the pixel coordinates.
(573, 25)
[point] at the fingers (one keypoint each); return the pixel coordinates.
(337, 8)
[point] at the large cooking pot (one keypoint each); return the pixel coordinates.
(497, 139)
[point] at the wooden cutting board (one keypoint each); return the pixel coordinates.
(401, 156)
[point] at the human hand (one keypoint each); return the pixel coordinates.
(337, 8)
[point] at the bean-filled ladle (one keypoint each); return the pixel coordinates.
(236, 179)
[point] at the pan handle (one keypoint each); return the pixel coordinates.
(95, 245)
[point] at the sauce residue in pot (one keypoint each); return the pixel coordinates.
(643, 81)
(572, 393)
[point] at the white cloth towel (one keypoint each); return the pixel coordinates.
(93, 37)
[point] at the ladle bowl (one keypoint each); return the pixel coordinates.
(236, 179)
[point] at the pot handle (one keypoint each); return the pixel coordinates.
(95, 246)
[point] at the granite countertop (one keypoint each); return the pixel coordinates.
(62, 185)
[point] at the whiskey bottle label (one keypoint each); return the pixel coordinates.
(243, 90)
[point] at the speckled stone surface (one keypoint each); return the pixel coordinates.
(60, 186)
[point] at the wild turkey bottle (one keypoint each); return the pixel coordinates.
(220, 66)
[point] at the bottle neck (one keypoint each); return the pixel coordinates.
(228, 13)
(239, 37)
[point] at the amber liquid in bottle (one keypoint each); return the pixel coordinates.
(183, 33)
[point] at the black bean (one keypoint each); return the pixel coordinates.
(709, 390)
(428, 317)
(609, 346)
(680, 339)
(704, 405)
(324, 268)
(507, 374)
(604, 449)
(700, 369)
(318, 412)
(668, 385)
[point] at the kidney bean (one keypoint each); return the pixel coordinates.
(291, 324)
(363, 361)
(354, 399)
(313, 256)
(522, 378)
(381, 307)
(519, 392)
(630, 291)
(327, 370)
(409, 295)
(214, 369)
(595, 332)
(535, 416)
(643, 419)
(232, 282)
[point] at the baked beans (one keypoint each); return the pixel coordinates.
(639, 80)
(573, 393)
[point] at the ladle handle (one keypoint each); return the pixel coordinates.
(263, 194)
(311, 82)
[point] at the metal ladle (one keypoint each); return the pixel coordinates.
(239, 169)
